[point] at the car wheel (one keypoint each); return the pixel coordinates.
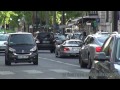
(59, 54)
(51, 51)
(89, 62)
(7, 61)
(35, 62)
(56, 54)
(82, 64)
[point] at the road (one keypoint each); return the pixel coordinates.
(49, 67)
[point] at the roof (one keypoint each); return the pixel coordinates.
(20, 33)
(73, 40)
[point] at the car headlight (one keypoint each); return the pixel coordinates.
(11, 49)
(33, 49)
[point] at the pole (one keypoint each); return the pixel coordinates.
(47, 18)
(115, 21)
(63, 21)
(36, 21)
(54, 20)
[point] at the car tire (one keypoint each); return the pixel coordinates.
(56, 54)
(89, 62)
(52, 51)
(7, 61)
(82, 64)
(35, 62)
(59, 54)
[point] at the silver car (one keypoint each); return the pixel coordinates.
(68, 48)
(3, 39)
(91, 46)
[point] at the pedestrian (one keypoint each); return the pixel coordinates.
(84, 35)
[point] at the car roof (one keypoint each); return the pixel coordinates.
(73, 40)
(20, 33)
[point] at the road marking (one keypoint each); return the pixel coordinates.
(59, 71)
(32, 71)
(59, 62)
(83, 70)
(46, 78)
(6, 73)
(77, 77)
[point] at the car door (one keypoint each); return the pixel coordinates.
(105, 67)
(84, 48)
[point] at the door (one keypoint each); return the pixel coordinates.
(84, 48)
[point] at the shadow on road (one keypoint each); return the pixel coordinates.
(22, 64)
(70, 57)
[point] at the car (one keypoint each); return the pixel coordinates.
(21, 47)
(68, 48)
(106, 33)
(91, 45)
(76, 35)
(3, 40)
(107, 62)
(59, 39)
(45, 41)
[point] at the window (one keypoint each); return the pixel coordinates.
(3, 37)
(21, 39)
(106, 46)
(87, 40)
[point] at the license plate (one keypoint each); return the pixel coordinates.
(75, 49)
(46, 42)
(22, 57)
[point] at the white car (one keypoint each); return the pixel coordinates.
(68, 48)
(3, 40)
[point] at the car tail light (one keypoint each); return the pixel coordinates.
(98, 49)
(66, 49)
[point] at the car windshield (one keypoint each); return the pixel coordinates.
(21, 39)
(3, 37)
(101, 39)
(118, 50)
(44, 35)
(77, 36)
(74, 42)
(60, 37)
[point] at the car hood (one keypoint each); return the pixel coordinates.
(20, 48)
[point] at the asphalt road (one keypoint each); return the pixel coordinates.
(49, 67)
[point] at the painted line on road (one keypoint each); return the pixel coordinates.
(59, 62)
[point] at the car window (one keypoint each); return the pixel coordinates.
(3, 37)
(87, 40)
(101, 39)
(21, 39)
(74, 42)
(118, 50)
(44, 35)
(106, 46)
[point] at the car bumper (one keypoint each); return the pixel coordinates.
(69, 53)
(45, 46)
(2, 48)
(29, 57)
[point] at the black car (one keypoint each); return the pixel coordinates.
(21, 47)
(59, 39)
(107, 62)
(45, 41)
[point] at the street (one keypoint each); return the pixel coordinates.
(49, 67)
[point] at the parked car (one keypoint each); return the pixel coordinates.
(107, 62)
(21, 47)
(68, 48)
(91, 45)
(45, 41)
(3, 39)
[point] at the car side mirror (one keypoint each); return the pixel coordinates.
(6, 43)
(101, 56)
